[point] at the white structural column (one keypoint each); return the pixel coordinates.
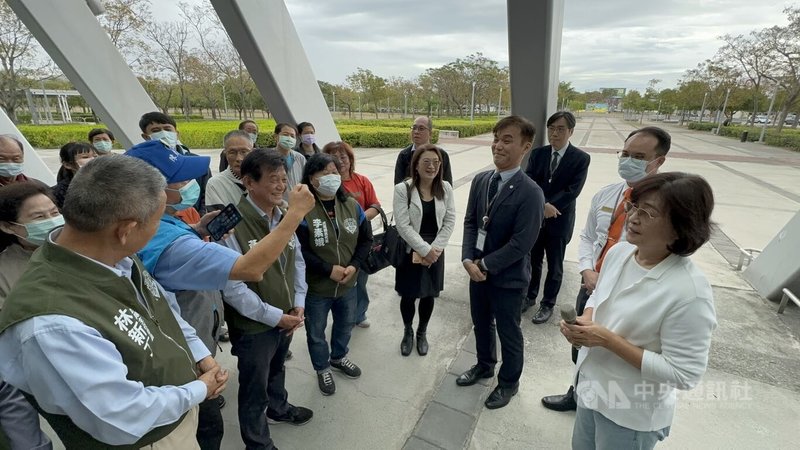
(73, 37)
(34, 166)
(534, 54)
(264, 34)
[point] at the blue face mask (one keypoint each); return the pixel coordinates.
(287, 142)
(190, 193)
(168, 137)
(10, 170)
(40, 229)
(632, 170)
(102, 146)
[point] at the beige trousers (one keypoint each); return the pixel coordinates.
(182, 438)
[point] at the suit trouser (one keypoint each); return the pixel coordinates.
(554, 247)
(486, 302)
(19, 421)
(262, 377)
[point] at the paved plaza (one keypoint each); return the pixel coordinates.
(749, 398)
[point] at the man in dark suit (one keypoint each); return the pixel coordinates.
(560, 170)
(504, 213)
(420, 135)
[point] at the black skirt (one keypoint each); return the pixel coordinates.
(418, 281)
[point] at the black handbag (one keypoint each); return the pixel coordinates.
(388, 248)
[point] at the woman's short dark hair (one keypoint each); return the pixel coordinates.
(68, 153)
(99, 131)
(245, 122)
(280, 125)
(688, 201)
(12, 197)
(302, 125)
(261, 161)
(317, 163)
(437, 188)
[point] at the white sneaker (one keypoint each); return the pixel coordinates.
(363, 324)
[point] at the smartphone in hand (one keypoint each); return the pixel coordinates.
(228, 218)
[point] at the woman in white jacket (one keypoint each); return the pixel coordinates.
(646, 329)
(425, 215)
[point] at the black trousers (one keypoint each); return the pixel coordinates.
(580, 305)
(553, 246)
(210, 427)
(262, 377)
(489, 302)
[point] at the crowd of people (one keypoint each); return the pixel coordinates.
(87, 342)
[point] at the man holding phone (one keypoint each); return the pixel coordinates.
(262, 316)
(181, 260)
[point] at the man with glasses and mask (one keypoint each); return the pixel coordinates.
(560, 170)
(645, 150)
(420, 135)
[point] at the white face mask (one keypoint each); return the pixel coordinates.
(329, 184)
(253, 137)
(168, 137)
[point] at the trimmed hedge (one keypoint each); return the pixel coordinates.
(702, 126)
(788, 138)
(209, 134)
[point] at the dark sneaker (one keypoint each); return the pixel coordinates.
(288, 355)
(297, 415)
(325, 382)
(347, 367)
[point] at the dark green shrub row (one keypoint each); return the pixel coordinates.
(702, 126)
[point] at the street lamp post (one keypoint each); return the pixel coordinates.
(703, 109)
(472, 104)
(360, 113)
(499, 102)
(225, 100)
(334, 102)
(405, 104)
(769, 111)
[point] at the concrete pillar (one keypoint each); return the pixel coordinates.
(73, 37)
(534, 55)
(777, 266)
(264, 34)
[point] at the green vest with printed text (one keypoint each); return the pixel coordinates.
(332, 248)
(148, 338)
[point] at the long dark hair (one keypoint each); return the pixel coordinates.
(317, 163)
(67, 154)
(437, 188)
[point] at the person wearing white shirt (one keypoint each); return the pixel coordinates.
(226, 187)
(646, 329)
(643, 154)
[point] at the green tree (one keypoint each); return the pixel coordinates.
(371, 87)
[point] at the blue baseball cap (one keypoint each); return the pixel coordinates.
(174, 166)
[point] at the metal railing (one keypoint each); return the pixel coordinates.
(787, 295)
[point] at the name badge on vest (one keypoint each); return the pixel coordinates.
(481, 240)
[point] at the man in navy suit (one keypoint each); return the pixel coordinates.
(504, 213)
(560, 170)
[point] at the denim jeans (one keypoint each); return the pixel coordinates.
(343, 310)
(594, 431)
(362, 296)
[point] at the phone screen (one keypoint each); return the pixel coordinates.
(228, 218)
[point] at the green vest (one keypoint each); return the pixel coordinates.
(333, 249)
(277, 286)
(149, 339)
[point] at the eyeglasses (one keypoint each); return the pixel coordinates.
(624, 154)
(430, 162)
(559, 129)
(419, 128)
(631, 208)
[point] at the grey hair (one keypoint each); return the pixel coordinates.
(11, 137)
(430, 124)
(112, 188)
(233, 134)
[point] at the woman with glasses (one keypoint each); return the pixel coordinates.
(360, 188)
(646, 329)
(425, 215)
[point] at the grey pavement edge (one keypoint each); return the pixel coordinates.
(749, 398)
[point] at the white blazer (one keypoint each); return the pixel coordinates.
(408, 218)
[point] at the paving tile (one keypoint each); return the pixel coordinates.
(444, 427)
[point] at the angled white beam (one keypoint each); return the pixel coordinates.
(34, 166)
(264, 34)
(73, 37)
(534, 55)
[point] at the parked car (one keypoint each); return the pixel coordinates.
(790, 119)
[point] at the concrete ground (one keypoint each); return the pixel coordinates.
(749, 398)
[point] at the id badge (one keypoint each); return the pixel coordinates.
(480, 241)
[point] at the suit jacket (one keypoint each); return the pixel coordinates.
(563, 187)
(408, 217)
(515, 218)
(401, 171)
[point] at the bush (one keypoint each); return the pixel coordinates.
(702, 126)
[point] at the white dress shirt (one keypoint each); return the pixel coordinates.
(594, 235)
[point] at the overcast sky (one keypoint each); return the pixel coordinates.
(606, 43)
